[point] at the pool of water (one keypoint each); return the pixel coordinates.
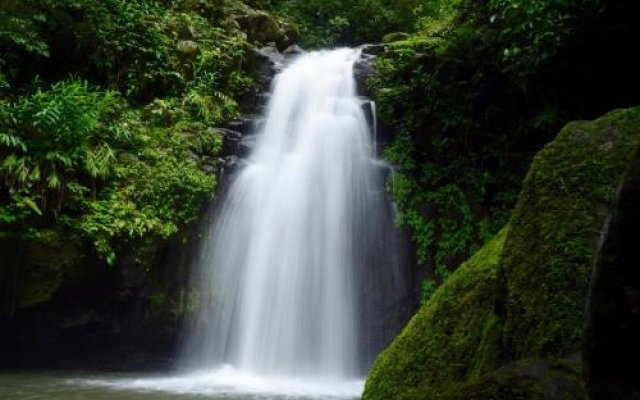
(223, 384)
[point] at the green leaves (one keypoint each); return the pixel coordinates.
(11, 141)
(98, 161)
(151, 199)
(21, 30)
(338, 22)
(532, 31)
(68, 153)
(118, 168)
(52, 138)
(51, 132)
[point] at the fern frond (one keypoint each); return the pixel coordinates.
(12, 141)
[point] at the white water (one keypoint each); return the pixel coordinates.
(299, 247)
(229, 384)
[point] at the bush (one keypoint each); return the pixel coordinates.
(54, 139)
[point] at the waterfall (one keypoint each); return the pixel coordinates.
(300, 275)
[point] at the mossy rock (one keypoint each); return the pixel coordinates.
(524, 380)
(441, 343)
(291, 30)
(41, 267)
(555, 228)
(261, 27)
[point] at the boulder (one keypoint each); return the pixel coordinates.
(293, 50)
(556, 225)
(188, 48)
(261, 27)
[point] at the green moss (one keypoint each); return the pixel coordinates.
(441, 343)
(554, 230)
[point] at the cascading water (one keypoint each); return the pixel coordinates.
(299, 276)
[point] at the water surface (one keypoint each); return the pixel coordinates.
(224, 384)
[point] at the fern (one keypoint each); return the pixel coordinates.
(211, 108)
(56, 136)
(12, 141)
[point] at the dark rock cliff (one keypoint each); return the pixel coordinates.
(613, 310)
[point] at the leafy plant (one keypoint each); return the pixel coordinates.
(533, 31)
(54, 137)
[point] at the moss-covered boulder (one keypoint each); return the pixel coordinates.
(440, 344)
(519, 302)
(556, 225)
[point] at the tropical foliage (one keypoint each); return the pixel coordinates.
(105, 119)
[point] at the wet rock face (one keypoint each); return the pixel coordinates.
(365, 67)
(612, 349)
(120, 317)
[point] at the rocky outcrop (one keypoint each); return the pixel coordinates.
(505, 322)
(34, 270)
(613, 310)
(365, 68)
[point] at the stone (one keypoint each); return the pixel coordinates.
(260, 27)
(188, 48)
(292, 50)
